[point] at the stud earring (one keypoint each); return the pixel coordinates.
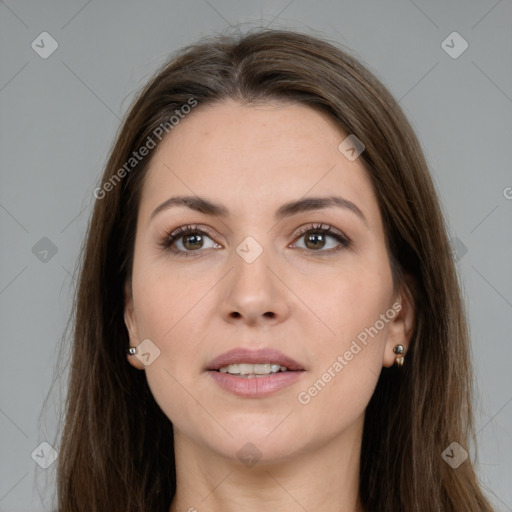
(399, 350)
(132, 351)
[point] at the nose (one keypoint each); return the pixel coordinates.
(255, 291)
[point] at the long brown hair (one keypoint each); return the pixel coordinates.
(116, 450)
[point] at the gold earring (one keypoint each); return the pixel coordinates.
(400, 351)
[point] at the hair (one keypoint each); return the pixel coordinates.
(116, 450)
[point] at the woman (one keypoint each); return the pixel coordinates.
(268, 314)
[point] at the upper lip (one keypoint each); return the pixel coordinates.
(243, 355)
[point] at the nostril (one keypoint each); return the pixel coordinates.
(269, 314)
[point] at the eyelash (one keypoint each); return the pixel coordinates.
(324, 229)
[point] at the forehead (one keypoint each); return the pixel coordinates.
(252, 156)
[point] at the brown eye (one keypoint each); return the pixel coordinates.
(188, 239)
(322, 239)
(315, 241)
(192, 242)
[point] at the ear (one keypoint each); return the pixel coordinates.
(130, 320)
(401, 326)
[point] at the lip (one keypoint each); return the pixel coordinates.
(243, 355)
(257, 387)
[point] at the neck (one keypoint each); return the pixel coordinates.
(321, 478)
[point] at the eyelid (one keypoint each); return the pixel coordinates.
(318, 226)
(169, 238)
(328, 230)
(190, 227)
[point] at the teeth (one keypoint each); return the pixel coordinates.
(253, 370)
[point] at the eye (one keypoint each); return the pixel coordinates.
(320, 238)
(316, 238)
(187, 239)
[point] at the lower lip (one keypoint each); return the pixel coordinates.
(256, 387)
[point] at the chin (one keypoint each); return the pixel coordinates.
(262, 443)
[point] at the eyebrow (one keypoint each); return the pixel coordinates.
(203, 205)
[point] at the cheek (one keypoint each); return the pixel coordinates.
(171, 312)
(356, 310)
(348, 364)
(338, 399)
(165, 300)
(352, 303)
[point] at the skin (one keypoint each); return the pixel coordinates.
(252, 159)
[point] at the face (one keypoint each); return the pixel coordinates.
(224, 294)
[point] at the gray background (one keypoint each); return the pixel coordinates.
(59, 116)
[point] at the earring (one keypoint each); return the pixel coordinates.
(132, 351)
(400, 351)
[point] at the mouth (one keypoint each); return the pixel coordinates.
(249, 371)
(254, 373)
(242, 361)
